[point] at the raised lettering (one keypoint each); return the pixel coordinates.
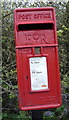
(34, 16)
(25, 17)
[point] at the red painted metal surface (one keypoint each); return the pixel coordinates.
(35, 28)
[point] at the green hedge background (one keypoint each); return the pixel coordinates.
(10, 110)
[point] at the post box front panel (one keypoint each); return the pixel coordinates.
(37, 96)
(37, 59)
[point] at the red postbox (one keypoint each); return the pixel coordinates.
(37, 58)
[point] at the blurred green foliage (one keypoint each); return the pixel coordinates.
(9, 82)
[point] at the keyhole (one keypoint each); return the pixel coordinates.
(26, 77)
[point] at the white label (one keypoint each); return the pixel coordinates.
(38, 73)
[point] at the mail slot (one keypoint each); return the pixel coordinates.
(37, 58)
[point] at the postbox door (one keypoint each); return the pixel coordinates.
(39, 96)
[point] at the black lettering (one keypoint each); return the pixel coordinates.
(38, 72)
